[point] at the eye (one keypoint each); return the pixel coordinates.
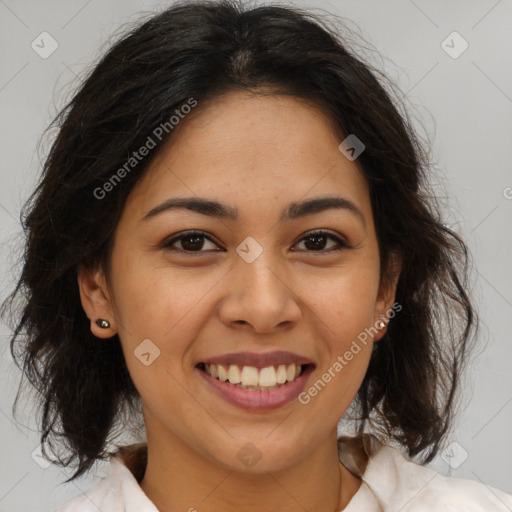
(193, 241)
(316, 241)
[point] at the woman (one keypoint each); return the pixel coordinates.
(232, 236)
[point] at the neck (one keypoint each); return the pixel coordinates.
(178, 478)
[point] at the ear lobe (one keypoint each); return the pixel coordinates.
(95, 300)
(387, 293)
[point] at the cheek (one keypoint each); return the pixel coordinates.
(345, 302)
(158, 311)
(152, 301)
(346, 319)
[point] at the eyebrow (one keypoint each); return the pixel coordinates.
(293, 211)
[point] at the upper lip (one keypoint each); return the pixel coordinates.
(258, 360)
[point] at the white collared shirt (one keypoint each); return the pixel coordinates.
(390, 483)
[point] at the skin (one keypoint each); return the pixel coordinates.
(256, 153)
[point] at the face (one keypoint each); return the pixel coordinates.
(258, 281)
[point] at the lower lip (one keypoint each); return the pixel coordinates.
(256, 399)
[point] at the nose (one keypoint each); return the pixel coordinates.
(260, 296)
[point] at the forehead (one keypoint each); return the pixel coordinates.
(242, 148)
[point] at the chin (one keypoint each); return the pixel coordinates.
(251, 455)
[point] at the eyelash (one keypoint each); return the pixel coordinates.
(189, 234)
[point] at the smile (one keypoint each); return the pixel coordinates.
(250, 377)
(249, 387)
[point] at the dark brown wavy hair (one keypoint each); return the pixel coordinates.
(202, 50)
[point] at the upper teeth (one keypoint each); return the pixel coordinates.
(252, 376)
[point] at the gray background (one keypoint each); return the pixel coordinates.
(465, 105)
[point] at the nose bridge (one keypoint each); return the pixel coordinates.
(258, 292)
(258, 268)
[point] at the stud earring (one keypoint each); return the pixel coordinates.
(104, 324)
(381, 324)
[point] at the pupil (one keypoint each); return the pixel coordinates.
(194, 239)
(316, 238)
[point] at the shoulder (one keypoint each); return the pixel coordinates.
(118, 492)
(400, 484)
(106, 495)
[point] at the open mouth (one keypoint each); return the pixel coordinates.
(254, 378)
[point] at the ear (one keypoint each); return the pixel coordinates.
(95, 300)
(384, 309)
